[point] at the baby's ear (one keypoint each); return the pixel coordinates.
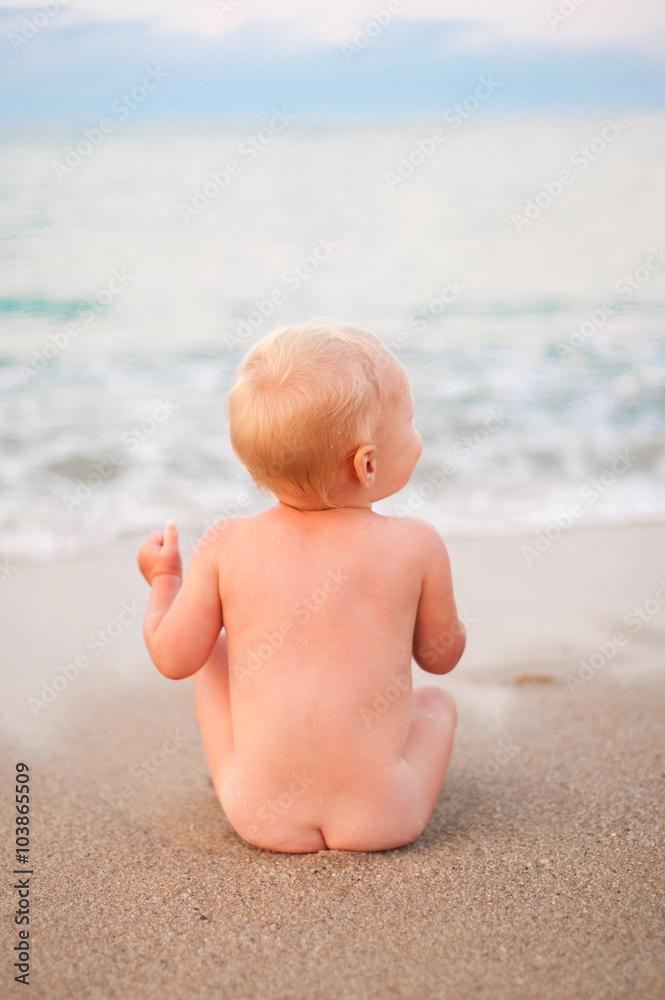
(364, 465)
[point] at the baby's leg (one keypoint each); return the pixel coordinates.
(404, 804)
(430, 741)
(212, 706)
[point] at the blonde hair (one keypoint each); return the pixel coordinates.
(304, 399)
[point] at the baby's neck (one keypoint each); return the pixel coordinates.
(299, 506)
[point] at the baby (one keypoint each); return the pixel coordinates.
(299, 623)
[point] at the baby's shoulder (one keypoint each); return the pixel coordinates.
(223, 526)
(413, 527)
(220, 534)
(417, 535)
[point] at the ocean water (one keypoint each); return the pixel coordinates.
(518, 269)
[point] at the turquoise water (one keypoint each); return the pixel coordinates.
(536, 350)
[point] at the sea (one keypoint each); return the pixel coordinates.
(515, 265)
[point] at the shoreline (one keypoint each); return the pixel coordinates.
(127, 546)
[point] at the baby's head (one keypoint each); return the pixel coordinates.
(304, 399)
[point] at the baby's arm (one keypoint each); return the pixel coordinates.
(183, 620)
(439, 636)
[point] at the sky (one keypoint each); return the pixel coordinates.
(69, 61)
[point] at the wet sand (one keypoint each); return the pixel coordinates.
(540, 873)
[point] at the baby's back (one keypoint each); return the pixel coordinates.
(319, 609)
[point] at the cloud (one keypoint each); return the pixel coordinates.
(591, 24)
(249, 56)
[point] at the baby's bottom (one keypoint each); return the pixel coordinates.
(407, 791)
(402, 797)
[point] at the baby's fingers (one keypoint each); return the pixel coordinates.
(149, 554)
(169, 561)
(160, 554)
(154, 542)
(171, 535)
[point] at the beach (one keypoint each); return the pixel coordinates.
(540, 873)
(482, 187)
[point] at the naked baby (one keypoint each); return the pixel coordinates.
(298, 621)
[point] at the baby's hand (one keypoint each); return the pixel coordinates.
(160, 553)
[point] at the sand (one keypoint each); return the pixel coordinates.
(540, 874)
